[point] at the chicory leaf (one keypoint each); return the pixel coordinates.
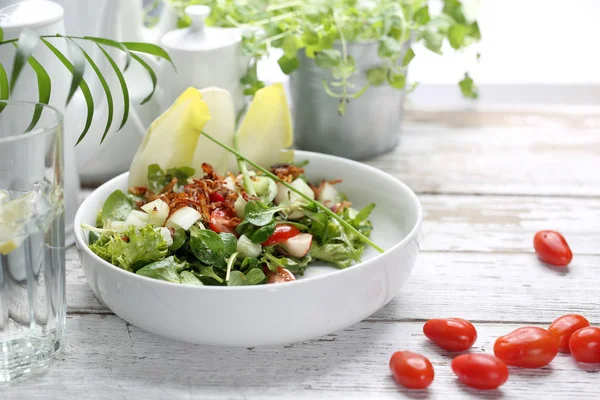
(117, 207)
(336, 253)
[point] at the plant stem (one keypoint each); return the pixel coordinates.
(289, 4)
(248, 185)
(299, 193)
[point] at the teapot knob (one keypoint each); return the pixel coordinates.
(198, 14)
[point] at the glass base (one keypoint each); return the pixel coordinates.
(29, 355)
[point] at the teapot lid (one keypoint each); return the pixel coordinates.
(30, 14)
(199, 37)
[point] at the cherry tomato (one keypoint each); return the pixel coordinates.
(411, 370)
(563, 327)
(282, 275)
(585, 345)
(216, 197)
(452, 334)
(480, 371)
(527, 347)
(552, 248)
(282, 233)
(221, 222)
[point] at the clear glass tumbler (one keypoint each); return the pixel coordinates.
(32, 238)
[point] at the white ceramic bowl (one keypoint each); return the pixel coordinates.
(323, 301)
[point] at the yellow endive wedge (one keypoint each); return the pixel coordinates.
(266, 133)
(171, 139)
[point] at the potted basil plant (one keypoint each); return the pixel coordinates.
(348, 61)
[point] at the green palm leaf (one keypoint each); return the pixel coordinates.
(150, 72)
(123, 83)
(78, 64)
(28, 41)
(107, 92)
(85, 89)
(148, 48)
(4, 91)
(44, 89)
(112, 43)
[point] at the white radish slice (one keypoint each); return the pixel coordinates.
(183, 218)
(158, 211)
(299, 245)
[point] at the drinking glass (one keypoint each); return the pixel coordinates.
(32, 238)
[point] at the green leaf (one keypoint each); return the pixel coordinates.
(112, 43)
(116, 208)
(288, 65)
(230, 244)
(377, 76)
(44, 89)
(474, 31)
(1, 35)
(207, 246)
(123, 84)
(389, 47)
(179, 239)
(408, 57)
(149, 48)
(4, 87)
(188, 278)
(337, 253)
(164, 270)
(158, 179)
(85, 89)
(468, 87)
(291, 45)
(152, 74)
(363, 214)
(457, 35)
(421, 16)
(255, 276)
(259, 214)
(256, 234)
(78, 70)
(454, 9)
(310, 37)
(328, 58)
(28, 41)
(105, 87)
(433, 41)
(397, 80)
(208, 272)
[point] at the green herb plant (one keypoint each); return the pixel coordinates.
(322, 29)
(29, 40)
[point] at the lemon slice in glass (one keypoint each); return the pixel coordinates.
(14, 215)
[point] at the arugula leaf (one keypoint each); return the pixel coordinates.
(207, 246)
(209, 274)
(164, 270)
(117, 207)
(363, 214)
(336, 253)
(259, 214)
(253, 277)
(158, 179)
(468, 87)
(294, 265)
(256, 234)
(179, 239)
(142, 248)
(249, 263)
(187, 277)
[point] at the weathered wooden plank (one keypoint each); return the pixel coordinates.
(498, 153)
(478, 286)
(507, 223)
(108, 359)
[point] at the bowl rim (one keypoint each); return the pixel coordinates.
(82, 244)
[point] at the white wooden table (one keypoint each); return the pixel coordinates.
(488, 182)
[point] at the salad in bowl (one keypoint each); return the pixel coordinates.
(211, 231)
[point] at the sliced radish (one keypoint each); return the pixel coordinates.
(141, 215)
(239, 206)
(158, 211)
(329, 195)
(299, 245)
(183, 218)
(132, 220)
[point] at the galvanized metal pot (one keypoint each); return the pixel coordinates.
(371, 124)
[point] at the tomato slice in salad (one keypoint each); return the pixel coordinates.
(216, 197)
(282, 233)
(221, 222)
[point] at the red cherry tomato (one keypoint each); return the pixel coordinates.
(282, 233)
(480, 371)
(527, 347)
(552, 248)
(585, 345)
(221, 222)
(563, 327)
(411, 370)
(216, 197)
(282, 275)
(452, 334)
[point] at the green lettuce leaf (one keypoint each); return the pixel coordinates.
(165, 270)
